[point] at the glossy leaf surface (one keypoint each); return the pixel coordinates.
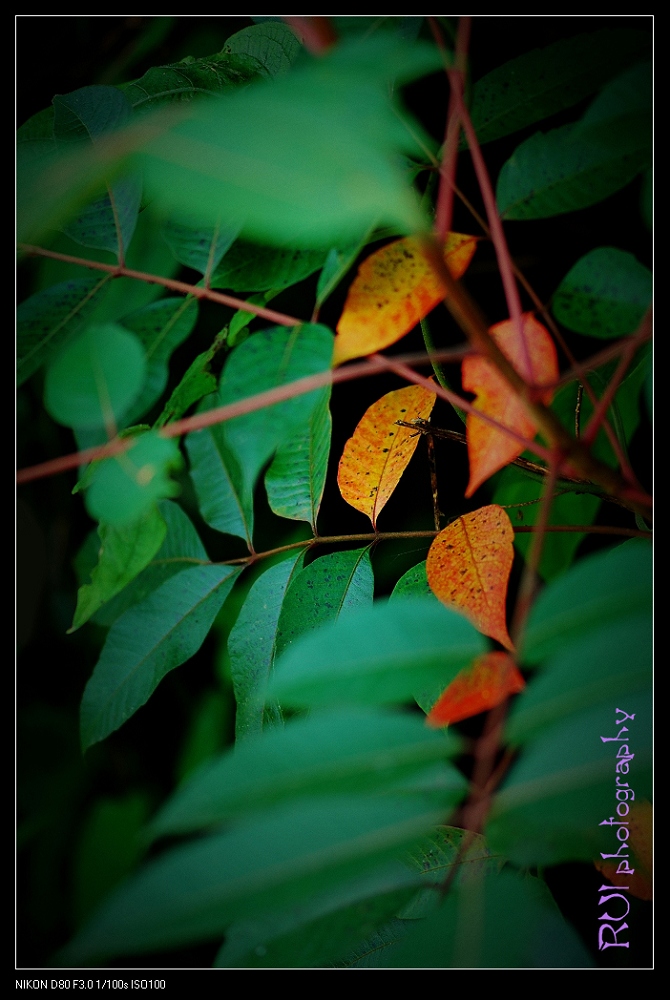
(394, 289)
(378, 452)
(533, 355)
(468, 568)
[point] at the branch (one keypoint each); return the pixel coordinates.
(471, 321)
(385, 536)
(200, 292)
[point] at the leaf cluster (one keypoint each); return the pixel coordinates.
(204, 247)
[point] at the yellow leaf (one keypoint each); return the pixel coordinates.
(378, 453)
(393, 290)
(468, 568)
(490, 449)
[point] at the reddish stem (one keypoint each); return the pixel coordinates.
(643, 333)
(117, 271)
(445, 197)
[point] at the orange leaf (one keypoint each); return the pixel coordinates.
(490, 449)
(468, 568)
(490, 680)
(376, 456)
(393, 290)
(640, 827)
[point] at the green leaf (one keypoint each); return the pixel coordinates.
(597, 591)
(196, 383)
(377, 655)
(268, 359)
(413, 583)
(122, 296)
(434, 858)
(148, 641)
(607, 664)
(314, 934)
(222, 499)
(307, 159)
(544, 81)
(369, 954)
(623, 414)
(336, 583)
(499, 921)
(180, 83)
(605, 294)
(332, 752)
(49, 318)
(565, 170)
(578, 165)
(561, 789)
(559, 548)
(125, 486)
(124, 552)
(195, 891)
(95, 378)
(297, 476)
(160, 327)
(272, 46)
(109, 222)
(88, 113)
(252, 643)
(336, 265)
(199, 247)
(181, 547)
(251, 267)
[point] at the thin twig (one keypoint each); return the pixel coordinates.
(199, 291)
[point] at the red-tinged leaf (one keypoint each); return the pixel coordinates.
(490, 680)
(468, 568)
(488, 448)
(640, 828)
(378, 453)
(393, 290)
